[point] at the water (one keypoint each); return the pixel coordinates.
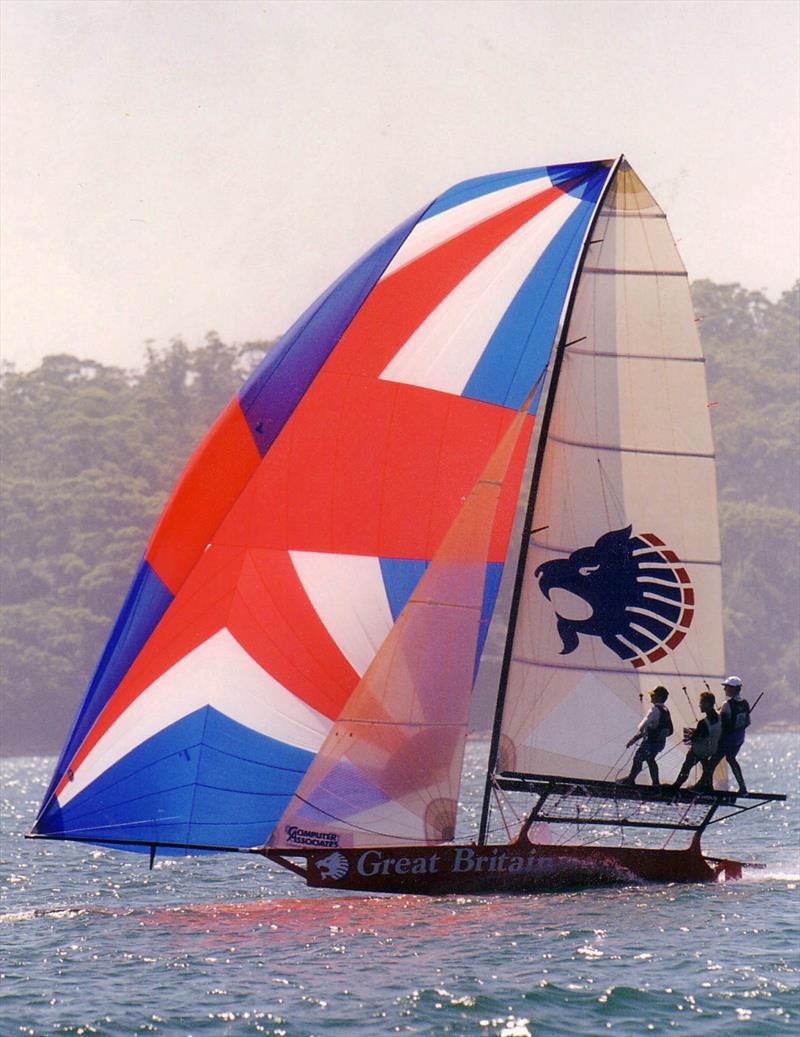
(94, 943)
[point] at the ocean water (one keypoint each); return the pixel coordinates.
(95, 943)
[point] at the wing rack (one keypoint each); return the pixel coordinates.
(585, 801)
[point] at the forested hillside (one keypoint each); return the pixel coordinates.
(753, 354)
(90, 453)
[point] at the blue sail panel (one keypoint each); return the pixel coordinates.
(205, 779)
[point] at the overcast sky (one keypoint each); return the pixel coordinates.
(175, 167)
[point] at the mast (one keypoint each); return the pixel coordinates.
(541, 440)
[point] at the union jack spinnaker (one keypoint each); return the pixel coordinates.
(311, 511)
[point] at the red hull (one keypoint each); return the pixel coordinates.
(513, 868)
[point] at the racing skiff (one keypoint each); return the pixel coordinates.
(483, 457)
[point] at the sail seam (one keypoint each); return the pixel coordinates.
(358, 828)
(629, 449)
(610, 669)
(634, 273)
(633, 215)
(568, 551)
(401, 723)
(636, 356)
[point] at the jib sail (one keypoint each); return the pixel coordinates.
(390, 769)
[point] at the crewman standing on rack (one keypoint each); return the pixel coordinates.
(703, 740)
(735, 717)
(653, 733)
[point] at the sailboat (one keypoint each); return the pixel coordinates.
(484, 450)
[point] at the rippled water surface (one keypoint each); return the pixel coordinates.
(94, 943)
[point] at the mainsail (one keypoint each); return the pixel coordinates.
(619, 584)
(307, 516)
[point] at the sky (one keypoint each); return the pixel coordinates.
(172, 168)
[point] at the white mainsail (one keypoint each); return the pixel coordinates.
(621, 587)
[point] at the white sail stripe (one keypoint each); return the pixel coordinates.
(218, 673)
(635, 648)
(663, 598)
(357, 620)
(444, 350)
(640, 610)
(655, 639)
(430, 233)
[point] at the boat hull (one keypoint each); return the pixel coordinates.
(512, 868)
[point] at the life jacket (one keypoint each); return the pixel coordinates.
(740, 714)
(706, 737)
(664, 728)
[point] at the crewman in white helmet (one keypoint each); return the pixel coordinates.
(735, 718)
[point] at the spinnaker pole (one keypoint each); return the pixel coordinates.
(548, 395)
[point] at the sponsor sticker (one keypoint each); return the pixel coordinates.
(306, 837)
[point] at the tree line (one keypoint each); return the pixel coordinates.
(90, 453)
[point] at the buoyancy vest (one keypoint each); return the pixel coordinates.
(740, 714)
(664, 728)
(706, 737)
(735, 720)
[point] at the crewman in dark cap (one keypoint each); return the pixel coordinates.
(703, 740)
(653, 733)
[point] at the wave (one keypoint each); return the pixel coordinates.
(30, 914)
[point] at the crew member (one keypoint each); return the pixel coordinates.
(735, 718)
(703, 740)
(653, 733)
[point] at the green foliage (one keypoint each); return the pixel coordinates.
(754, 377)
(90, 454)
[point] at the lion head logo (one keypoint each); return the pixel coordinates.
(334, 866)
(640, 595)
